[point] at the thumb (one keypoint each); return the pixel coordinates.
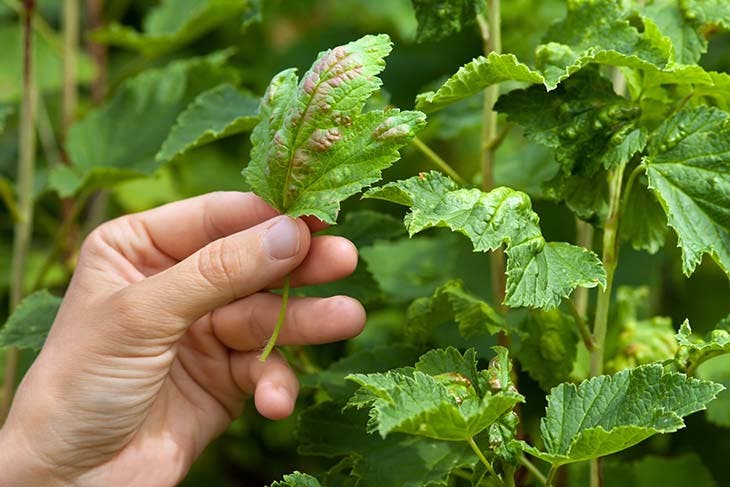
(224, 270)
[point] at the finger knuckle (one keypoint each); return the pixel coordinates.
(218, 265)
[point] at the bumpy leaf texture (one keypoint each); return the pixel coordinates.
(713, 12)
(313, 146)
(440, 399)
(441, 18)
(607, 414)
(682, 28)
(29, 324)
(688, 168)
(593, 31)
(539, 274)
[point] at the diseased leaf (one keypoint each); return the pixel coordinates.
(693, 351)
(119, 140)
(548, 347)
(452, 303)
(607, 414)
(397, 461)
(29, 324)
(684, 31)
(217, 113)
(474, 77)
(440, 18)
(539, 274)
(688, 168)
(583, 121)
(634, 337)
(446, 406)
(712, 12)
(313, 147)
(174, 23)
(297, 479)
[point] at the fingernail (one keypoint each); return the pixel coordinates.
(281, 240)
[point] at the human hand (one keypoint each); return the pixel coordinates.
(156, 345)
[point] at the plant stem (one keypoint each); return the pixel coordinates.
(550, 480)
(610, 260)
(585, 333)
(484, 460)
(492, 39)
(438, 161)
(533, 469)
(98, 51)
(279, 322)
(24, 225)
(70, 46)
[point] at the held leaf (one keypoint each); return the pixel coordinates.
(607, 414)
(539, 274)
(313, 147)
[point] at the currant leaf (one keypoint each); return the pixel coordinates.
(313, 147)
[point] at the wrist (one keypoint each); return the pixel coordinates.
(20, 466)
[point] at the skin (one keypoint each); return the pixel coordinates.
(155, 348)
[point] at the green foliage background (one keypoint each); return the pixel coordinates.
(246, 47)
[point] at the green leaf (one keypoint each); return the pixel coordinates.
(548, 347)
(473, 77)
(313, 147)
(712, 12)
(693, 351)
(364, 227)
(119, 140)
(539, 274)
(688, 168)
(29, 324)
(599, 31)
(217, 113)
(684, 32)
(47, 63)
(174, 23)
(452, 303)
(607, 414)
(397, 461)
(643, 222)
(407, 269)
(438, 18)
(297, 479)
(635, 338)
(583, 121)
(445, 406)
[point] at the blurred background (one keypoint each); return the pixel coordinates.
(91, 168)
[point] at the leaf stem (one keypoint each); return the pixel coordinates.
(26, 177)
(585, 333)
(533, 469)
(550, 479)
(484, 460)
(630, 184)
(279, 322)
(438, 161)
